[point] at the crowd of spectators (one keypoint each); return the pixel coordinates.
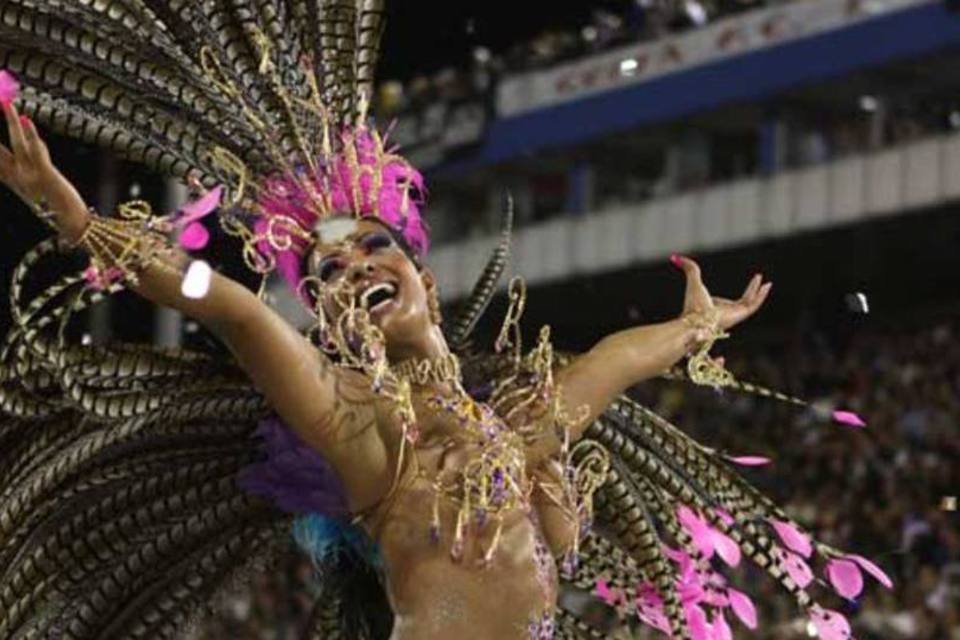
(887, 492)
(634, 21)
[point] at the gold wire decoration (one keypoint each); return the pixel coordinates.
(494, 480)
(443, 370)
(119, 249)
(510, 335)
(701, 367)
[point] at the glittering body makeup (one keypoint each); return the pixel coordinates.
(460, 462)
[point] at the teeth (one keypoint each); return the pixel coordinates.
(390, 290)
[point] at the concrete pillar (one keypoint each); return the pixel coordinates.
(773, 148)
(878, 124)
(581, 188)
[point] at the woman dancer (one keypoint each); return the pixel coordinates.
(122, 512)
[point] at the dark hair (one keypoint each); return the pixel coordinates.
(365, 612)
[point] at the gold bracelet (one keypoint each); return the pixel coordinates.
(701, 368)
(119, 250)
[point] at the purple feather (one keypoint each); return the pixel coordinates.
(295, 477)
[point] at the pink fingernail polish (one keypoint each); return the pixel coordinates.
(25, 120)
(676, 260)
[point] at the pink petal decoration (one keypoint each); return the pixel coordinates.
(194, 237)
(724, 516)
(849, 418)
(750, 461)
(675, 554)
(201, 207)
(697, 623)
(647, 594)
(698, 529)
(101, 280)
(9, 87)
(605, 593)
(845, 577)
(691, 593)
(726, 548)
(743, 608)
(721, 630)
(716, 598)
(875, 571)
(797, 568)
(793, 538)
(830, 625)
(654, 616)
(92, 275)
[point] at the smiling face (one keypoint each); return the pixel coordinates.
(382, 277)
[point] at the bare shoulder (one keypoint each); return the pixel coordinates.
(355, 411)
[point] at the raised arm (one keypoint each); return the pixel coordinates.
(628, 357)
(295, 377)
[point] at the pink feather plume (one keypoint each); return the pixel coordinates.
(845, 577)
(9, 87)
(793, 538)
(849, 418)
(878, 574)
(743, 608)
(830, 625)
(750, 461)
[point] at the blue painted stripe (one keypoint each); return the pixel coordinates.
(753, 76)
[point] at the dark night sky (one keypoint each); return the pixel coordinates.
(426, 35)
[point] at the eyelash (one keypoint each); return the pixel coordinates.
(375, 241)
(328, 267)
(371, 243)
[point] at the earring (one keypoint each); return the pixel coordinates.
(433, 304)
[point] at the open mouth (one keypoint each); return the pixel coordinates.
(378, 296)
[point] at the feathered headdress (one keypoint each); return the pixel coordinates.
(273, 108)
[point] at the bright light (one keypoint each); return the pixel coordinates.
(955, 119)
(589, 33)
(811, 630)
(869, 103)
(696, 12)
(86, 339)
(196, 284)
(628, 67)
(135, 190)
(481, 55)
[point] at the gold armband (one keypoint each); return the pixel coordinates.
(701, 368)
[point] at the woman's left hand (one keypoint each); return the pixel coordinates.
(697, 298)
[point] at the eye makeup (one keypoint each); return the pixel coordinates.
(329, 266)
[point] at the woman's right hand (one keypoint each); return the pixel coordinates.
(27, 169)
